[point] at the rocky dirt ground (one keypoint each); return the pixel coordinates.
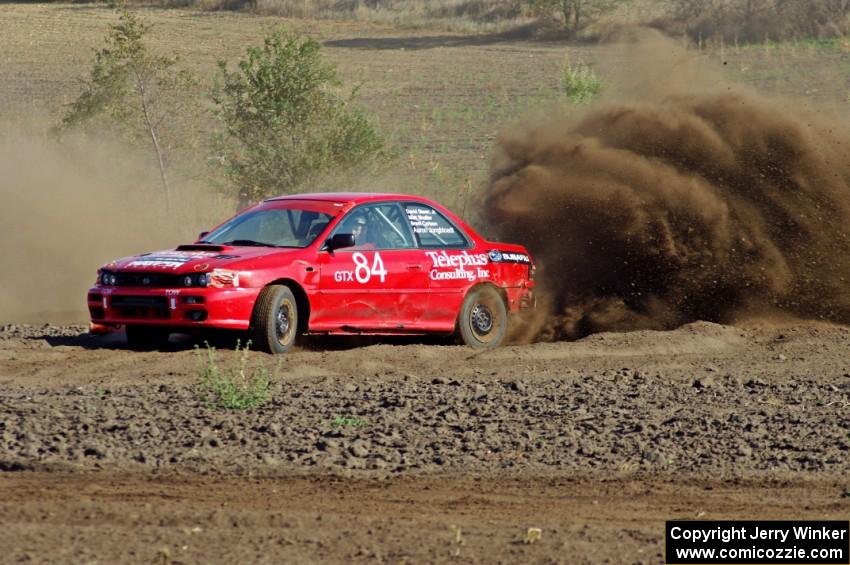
(380, 452)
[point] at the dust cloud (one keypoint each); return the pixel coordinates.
(692, 204)
(69, 208)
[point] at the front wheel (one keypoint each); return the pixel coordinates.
(274, 323)
(483, 318)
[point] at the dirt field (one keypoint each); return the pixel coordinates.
(399, 451)
(110, 518)
(374, 452)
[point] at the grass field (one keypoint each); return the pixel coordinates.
(441, 98)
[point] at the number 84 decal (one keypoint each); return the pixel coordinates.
(362, 272)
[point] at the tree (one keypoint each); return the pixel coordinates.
(572, 13)
(141, 94)
(284, 120)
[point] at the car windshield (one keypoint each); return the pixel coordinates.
(276, 227)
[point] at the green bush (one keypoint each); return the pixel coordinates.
(579, 82)
(232, 388)
(346, 421)
(284, 120)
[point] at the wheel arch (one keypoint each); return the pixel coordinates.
(502, 292)
(302, 301)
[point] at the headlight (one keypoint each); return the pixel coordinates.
(108, 279)
(203, 279)
(222, 278)
(188, 280)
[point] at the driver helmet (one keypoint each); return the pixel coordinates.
(358, 220)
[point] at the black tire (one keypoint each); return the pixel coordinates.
(274, 322)
(483, 318)
(147, 338)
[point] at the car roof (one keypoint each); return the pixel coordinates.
(349, 197)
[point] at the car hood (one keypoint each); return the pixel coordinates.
(195, 258)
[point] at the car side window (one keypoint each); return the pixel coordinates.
(432, 229)
(377, 226)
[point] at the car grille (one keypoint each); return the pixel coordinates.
(148, 280)
(141, 307)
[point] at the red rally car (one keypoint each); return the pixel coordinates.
(336, 263)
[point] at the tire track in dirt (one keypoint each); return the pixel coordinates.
(111, 517)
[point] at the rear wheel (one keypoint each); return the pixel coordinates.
(147, 338)
(483, 318)
(274, 323)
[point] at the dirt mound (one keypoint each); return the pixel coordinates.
(593, 424)
(688, 207)
(569, 407)
(43, 331)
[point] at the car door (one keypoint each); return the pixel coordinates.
(380, 283)
(452, 265)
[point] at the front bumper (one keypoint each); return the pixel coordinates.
(228, 308)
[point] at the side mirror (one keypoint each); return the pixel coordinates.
(202, 235)
(340, 240)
